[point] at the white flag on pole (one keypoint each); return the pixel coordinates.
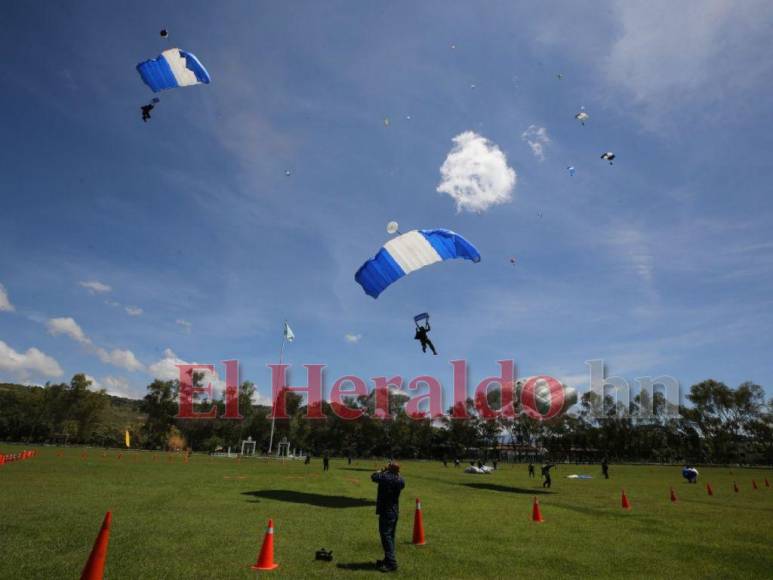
(289, 336)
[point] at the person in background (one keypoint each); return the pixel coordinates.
(326, 461)
(546, 474)
(531, 470)
(605, 468)
(390, 484)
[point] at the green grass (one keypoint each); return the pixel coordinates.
(202, 520)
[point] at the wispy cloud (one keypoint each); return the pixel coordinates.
(68, 327)
(537, 138)
(95, 287)
(133, 310)
(475, 174)
(352, 338)
(31, 362)
(185, 325)
(121, 358)
(5, 302)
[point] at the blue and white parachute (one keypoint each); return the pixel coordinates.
(173, 68)
(409, 252)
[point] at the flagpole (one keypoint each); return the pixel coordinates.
(273, 402)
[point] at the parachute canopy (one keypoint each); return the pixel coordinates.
(571, 170)
(173, 68)
(690, 473)
(409, 252)
(609, 156)
(582, 116)
(420, 318)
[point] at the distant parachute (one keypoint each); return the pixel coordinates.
(409, 252)
(571, 170)
(513, 260)
(173, 68)
(609, 156)
(164, 33)
(582, 116)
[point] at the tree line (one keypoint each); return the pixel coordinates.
(720, 424)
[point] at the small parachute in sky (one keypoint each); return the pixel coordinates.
(609, 156)
(173, 68)
(560, 77)
(571, 170)
(387, 121)
(164, 33)
(288, 173)
(582, 116)
(513, 260)
(422, 319)
(409, 252)
(539, 214)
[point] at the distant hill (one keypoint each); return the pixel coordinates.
(118, 415)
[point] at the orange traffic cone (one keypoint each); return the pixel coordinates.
(735, 487)
(266, 556)
(767, 483)
(95, 566)
(754, 484)
(624, 501)
(673, 495)
(536, 513)
(709, 489)
(418, 525)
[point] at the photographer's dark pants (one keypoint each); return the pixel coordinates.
(387, 526)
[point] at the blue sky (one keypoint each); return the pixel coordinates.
(659, 264)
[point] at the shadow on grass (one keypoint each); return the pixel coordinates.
(507, 489)
(356, 566)
(315, 499)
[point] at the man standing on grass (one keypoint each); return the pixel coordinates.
(605, 468)
(531, 469)
(546, 474)
(390, 484)
(326, 461)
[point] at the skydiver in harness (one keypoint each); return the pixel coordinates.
(146, 112)
(147, 109)
(421, 332)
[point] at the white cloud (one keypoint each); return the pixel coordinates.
(166, 369)
(537, 138)
(186, 326)
(95, 287)
(33, 361)
(120, 358)
(668, 52)
(68, 327)
(117, 386)
(475, 174)
(352, 338)
(133, 310)
(5, 302)
(95, 384)
(633, 245)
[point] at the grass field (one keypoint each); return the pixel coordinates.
(206, 519)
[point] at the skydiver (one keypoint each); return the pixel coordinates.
(421, 336)
(546, 474)
(146, 112)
